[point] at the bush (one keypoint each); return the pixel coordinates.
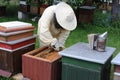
(101, 19)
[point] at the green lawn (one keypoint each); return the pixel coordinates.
(80, 33)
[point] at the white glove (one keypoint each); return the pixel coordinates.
(58, 47)
(54, 41)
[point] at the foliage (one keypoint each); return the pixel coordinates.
(28, 1)
(49, 2)
(4, 78)
(75, 3)
(4, 2)
(12, 10)
(116, 24)
(101, 19)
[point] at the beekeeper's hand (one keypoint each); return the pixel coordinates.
(57, 46)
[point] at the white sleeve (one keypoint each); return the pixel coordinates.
(63, 37)
(43, 26)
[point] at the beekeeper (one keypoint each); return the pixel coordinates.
(55, 25)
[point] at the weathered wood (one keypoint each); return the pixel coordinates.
(12, 61)
(117, 68)
(47, 67)
(45, 52)
(51, 56)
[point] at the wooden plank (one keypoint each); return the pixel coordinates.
(117, 68)
(45, 52)
(12, 61)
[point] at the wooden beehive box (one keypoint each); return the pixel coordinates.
(11, 61)
(16, 36)
(34, 9)
(17, 44)
(116, 63)
(117, 68)
(42, 64)
(116, 76)
(42, 8)
(86, 14)
(15, 30)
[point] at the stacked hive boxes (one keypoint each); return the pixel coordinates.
(16, 38)
(42, 64)
(116, 63)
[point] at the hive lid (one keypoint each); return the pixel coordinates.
(116, 59)
(14, 24)
(82, 51)
(87, 7)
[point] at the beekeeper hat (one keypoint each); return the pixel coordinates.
(65, 16)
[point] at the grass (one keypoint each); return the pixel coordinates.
(80, 33)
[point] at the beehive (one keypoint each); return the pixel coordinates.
(116, 63)
(42, 64)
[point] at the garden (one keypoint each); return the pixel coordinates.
(100, 24)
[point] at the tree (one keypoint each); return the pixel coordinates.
(115, 4)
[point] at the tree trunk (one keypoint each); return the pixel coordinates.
(115, 5)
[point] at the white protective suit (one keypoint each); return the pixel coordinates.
(47, 33)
